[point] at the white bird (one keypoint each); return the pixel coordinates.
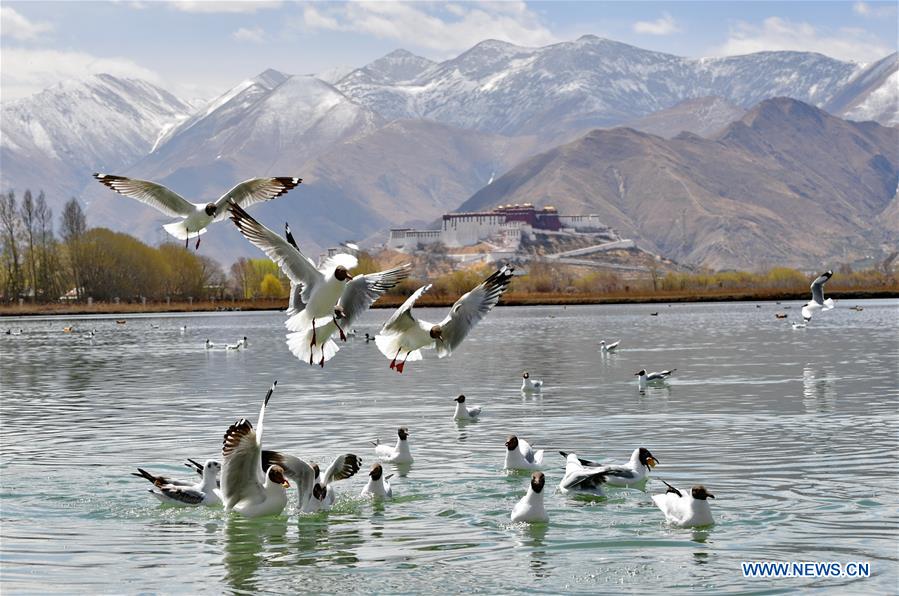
(798, 325)
(357, 297)
(244, 343)
(529, 385)
(530, 508)
(604, 347)
(398, 454)
(520, 455)
(188, 494)
(634, 473)
(654, 378)
(818, 302)
(90, 334)
(208, 345)
(247, 487)
(463, 412)
(314, 290)
(580, 478)
(234, 346)
(686, 510)
(195, 217)
(378, 485)
(183, 329)
(323, 494)
(404, 334)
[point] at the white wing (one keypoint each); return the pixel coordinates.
(364, 290)
(242, 474)
(343, 467)
(471, 308)
(253, 191)
(402, 319)
(295, 469)
(149, 193)
(295, 265)
(817, 287)
(347, 260)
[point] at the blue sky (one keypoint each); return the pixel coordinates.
(200, 49)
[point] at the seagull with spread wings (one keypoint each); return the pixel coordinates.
(818, 302)
(404, 335)
(196, 217)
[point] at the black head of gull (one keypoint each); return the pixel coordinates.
(537, 481)
(512, 443)
(436, 332)
(341, 274)
(403, 433)
(460, 399)
(210, 209)
(640, 373)
(699, 492)
(376, 472)
(319, 492)
(276, 475)
(526, 375)
(647, 459)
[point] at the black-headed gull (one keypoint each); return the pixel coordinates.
(323, 495)
(378, 485)
(520, 455)
(209, 345)
(195, 217)
(653, 377)
(604, 347)
(529, 385)
(633, 473)
(405, 336)
(464, 412)
(314, 290)
(686, 509)
(398, 454)
(580, 478)
(818, 302)
(191, 494)
(358, 295)
(530, 508)
(247, 487)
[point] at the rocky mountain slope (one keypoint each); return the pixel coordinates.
(788, 184)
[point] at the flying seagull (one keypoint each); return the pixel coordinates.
(818, 302)
(195, 217)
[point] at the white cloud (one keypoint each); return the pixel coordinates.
(255, 35)
(776, 33)
(439, 27)
(877, 10)
(213, 6)
(664, 25)
(16, 26)
(26, 71)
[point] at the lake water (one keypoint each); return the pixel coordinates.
(795, 432)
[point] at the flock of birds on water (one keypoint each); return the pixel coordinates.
(325, 301)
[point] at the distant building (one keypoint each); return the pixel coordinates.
(505, 224)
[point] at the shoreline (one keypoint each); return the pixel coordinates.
(511, 299)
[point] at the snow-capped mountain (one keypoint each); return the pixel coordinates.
(872, 94)
(591, 82)
(54, 140)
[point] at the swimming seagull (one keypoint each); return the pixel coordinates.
(323, 495)
(404, 335)
(378, 485)
(604, 347)
(529, 385)
(530, 508)
(191, 494)
(686, 510)
(520, 455)
(653, 377)
(632, 474)
(463, 412)
(247, 487)
(357, 297)
(315, 290)
(796, 325)
(208, 345)
(818, 302)
(580, 478)
(398, 454)
(195, 217)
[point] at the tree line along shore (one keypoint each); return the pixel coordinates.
(83, 270)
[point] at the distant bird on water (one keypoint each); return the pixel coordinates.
(463, 412)
(195, 217)
(604, 347)
(529, 385)
(530, 508)
(653, 377)
(818, 302)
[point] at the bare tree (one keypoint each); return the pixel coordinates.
(27, 216)
(9, 227)
(47, 276)
(72, 229)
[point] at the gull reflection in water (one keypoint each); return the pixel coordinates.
(818, 392)
(245, 540)
(532, 537)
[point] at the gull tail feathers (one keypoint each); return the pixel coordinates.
(829, 304)
(180, 231)
(299, 344)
